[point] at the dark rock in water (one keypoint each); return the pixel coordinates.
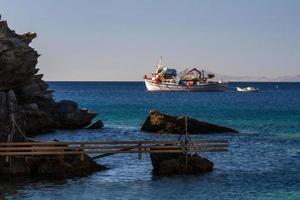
(162, 123)
(79, 118)
(37, 111)
(97, 125)
(49, 166)
(167, 164)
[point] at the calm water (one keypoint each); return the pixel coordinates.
(263, 161)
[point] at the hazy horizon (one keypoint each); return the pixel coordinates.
(123, 40)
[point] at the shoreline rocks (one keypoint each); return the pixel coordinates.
(158, 122)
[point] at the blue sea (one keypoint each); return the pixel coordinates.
(263, 161)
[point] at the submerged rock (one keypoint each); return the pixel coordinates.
(37, 110)
(162, 123)
(167, 164)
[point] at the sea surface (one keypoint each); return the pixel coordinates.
(263, 161)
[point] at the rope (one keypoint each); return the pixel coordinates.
(185, 142)
(15, 123)
(12, 133)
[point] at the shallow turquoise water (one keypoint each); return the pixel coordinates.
(263, 161)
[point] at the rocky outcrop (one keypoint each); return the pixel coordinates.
(168, 164)
(38, 112)
(162, 123)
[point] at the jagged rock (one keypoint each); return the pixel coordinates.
(77, 119)
(28, 37)
(67, 106)
(162, 123)
(38, 112)
(167, 164)
(72, 116)
(96, 125)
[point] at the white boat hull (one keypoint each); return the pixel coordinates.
(215, 86)
(246, 89)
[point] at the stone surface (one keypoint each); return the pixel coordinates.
(38, 112)
(162, 123)
(168, 164)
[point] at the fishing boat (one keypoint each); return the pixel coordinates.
(247, 89)
(167, 79)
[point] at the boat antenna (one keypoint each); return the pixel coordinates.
(160, 60)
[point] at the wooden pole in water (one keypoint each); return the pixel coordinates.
(82, 155)
(140, 151)
(185, 147)
(7, 158)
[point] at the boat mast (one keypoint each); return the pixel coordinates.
(160, 60)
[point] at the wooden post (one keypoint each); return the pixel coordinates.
(140, 151)
(7, 158)
(82, 155)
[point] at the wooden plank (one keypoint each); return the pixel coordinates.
(86, 143)
(102, 147)
(106, 152)
(109, 154)
(106, 142)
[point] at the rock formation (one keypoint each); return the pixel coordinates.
(39, 113)
(162, 123)
(167, 164)
(27, 108)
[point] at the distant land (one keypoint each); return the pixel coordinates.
(287, 78)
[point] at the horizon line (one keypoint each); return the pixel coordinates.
(127, 81)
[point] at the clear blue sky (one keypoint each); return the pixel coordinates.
(122, 40)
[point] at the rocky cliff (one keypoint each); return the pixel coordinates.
(36, 110)
(27, 108)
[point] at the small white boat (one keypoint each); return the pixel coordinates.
(166, 79)
(247, 89)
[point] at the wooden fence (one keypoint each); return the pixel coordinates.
(106, 148)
